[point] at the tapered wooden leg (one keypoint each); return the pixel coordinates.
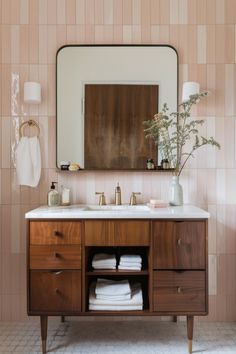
(44, 330)
(190, 332)
(174, 318)
(62, 318)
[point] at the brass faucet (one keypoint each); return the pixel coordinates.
(117, 195)
(133, 199)
(102, 199)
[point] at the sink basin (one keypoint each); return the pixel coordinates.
(121, 208)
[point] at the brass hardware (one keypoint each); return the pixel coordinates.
(179, 242)
(190, 346)
(179, 289)
(117, 195)
(30, 123)
(133, 199)
(102, 198)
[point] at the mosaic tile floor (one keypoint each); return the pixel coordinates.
(123, 337)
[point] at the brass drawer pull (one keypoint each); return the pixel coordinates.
(179, 290)
(179, 242)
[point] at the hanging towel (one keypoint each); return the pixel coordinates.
(28, 161)
(110, 287)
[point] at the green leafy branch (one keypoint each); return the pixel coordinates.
(171, 132)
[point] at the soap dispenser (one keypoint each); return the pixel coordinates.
(53, 196)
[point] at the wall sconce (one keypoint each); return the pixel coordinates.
(189, 88)
(32, 92)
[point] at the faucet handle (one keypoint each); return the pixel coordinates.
(133, 200)
(102, 199)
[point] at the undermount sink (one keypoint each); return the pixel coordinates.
(122, 208)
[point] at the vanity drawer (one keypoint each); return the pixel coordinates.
(55, 291)
(55, 232)
(179, 245)
(183, 291)
(55, 257)
(116, 233)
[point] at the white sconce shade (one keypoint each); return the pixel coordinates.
(32, 92)
(190, 88)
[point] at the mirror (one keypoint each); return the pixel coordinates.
(104, 93)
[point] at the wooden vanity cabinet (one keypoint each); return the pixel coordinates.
(174, 276)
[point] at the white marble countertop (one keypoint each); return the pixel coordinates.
(117, 212)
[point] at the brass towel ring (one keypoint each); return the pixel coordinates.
(29, 123)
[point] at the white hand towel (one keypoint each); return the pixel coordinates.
(131, 258)
(104, 266)
(109, 287)
(121, 267)
(131, 264)
(136, 297)
(104, 257)
(115, 307)
(113, 297)
(109, 261)
(28, 161)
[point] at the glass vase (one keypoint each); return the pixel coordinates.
(176, 192)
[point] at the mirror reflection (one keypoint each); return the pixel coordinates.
(104, 93)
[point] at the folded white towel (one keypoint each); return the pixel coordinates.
(104, 262)
(131, 264)
(131, 258)
(136, 297)
(115, 307)
(104, 266)
(109, 287)
(103, 257)
(121, 267)
(113, 297)
(28, 161)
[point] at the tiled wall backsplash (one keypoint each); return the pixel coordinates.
(203, 32)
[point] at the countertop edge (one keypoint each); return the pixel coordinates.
(185, 212)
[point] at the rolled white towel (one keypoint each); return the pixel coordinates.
(109, 287)
(131, 258)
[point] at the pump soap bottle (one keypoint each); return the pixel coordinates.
(53, 196)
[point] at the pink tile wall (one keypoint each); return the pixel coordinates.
(203, 32)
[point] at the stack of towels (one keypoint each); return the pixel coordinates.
(104, 261)
(130, 262)
(113, 295)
